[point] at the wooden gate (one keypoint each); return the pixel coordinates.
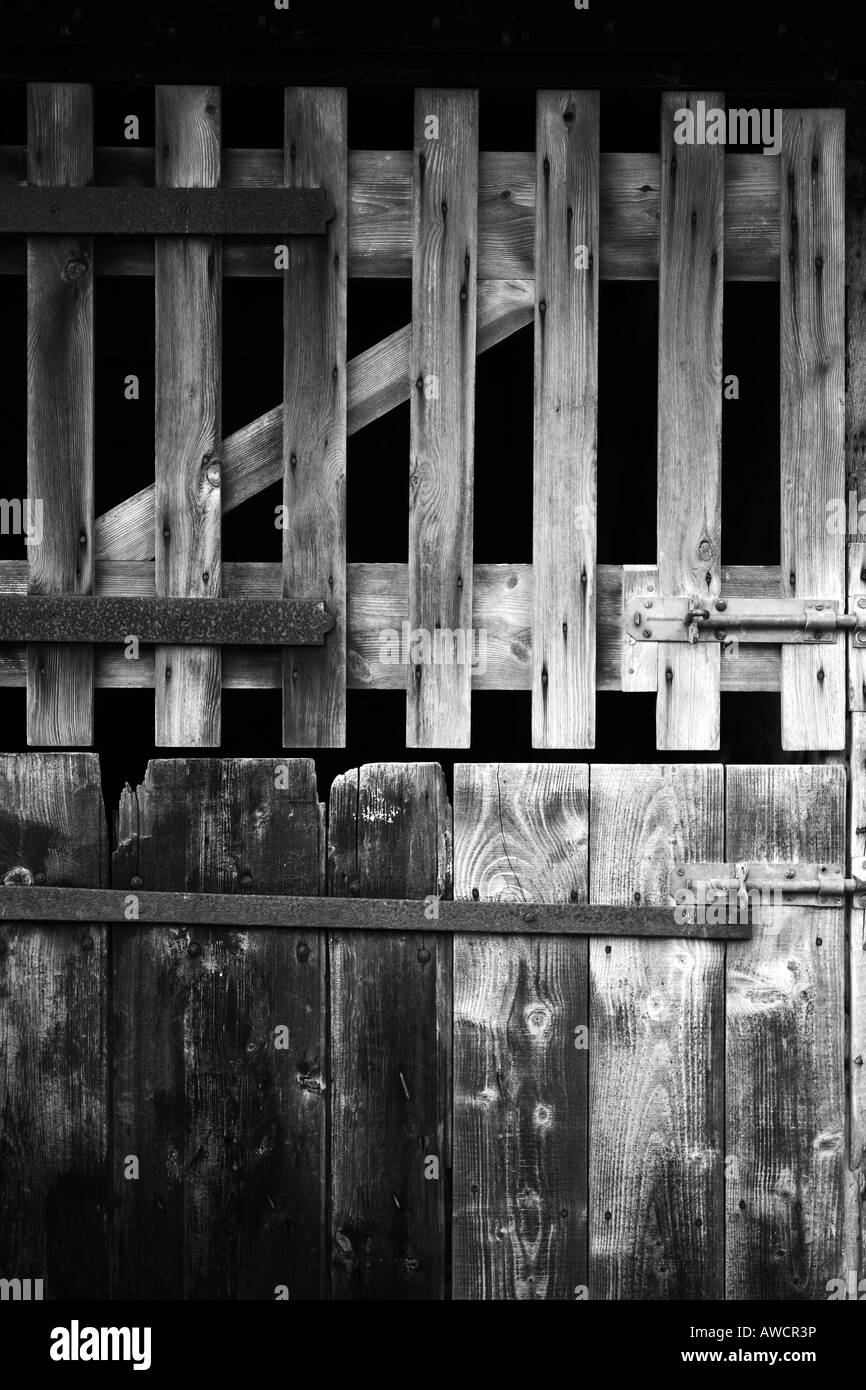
(423, 1113)
(491, 242)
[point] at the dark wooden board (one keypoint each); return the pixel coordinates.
(228, 1128)
(54, 1143)
(390, 831)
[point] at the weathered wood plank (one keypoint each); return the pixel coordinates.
(520, 1055)
(691, 269)
(656, 1058)
(53, 1035)
(225, 1114)
(378, 603)
(442, 419)
(60, 412)
(252, 457)
(785, 1079)
(188, 289)
(314, 419)
(565, 420)
(812, 303)
(390, 832)
(380, 214)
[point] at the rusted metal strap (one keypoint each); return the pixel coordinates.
(243, 910)
(165, 211)
(206, 622)
(649, 618)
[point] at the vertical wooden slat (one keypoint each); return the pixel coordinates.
(785, 1081)
(60, 411)
(520, 1044)
(225, 1114)
(691, 273)
(314, 419)
(53, 1034)
(566, 420)
(188, 288)
(390, 835)
(442, 411)
(656, 1060)
(812, 306)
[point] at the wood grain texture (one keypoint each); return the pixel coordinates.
(785, 1080)
(691, 270)
(378, 599)
(656, 1056)
(53, 1035)
(565, 420)
(228, 1127)
(390, 833)
(314, 419)
(252, 457)
(380, 213)
(855, 397)
(812, 365)
(520, 1063)
(857, 943)
(442, 418)
(60, 412)
(188, 524)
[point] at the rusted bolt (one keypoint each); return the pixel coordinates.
(19, 877)
(423, 955)
(530, 916)
(136, 881)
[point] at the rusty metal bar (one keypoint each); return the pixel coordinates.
(176, 621)
(22, 902)
(165, 211)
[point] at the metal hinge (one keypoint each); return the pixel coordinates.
(743, 886)
(649, 618)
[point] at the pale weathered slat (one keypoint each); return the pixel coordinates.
(785, 1159)
(691, 263)
(252, 458)
(53, 1034)
(442, 417)
(188, 520)
(565, 420)
(857, 944)
(380, 214)
(812, 368)
(656, 1047)
(390, 1045)
(314, 419)
(226, 1115)
(520, 1043)
(60, 412)
(378, 608)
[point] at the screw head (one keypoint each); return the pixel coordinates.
(861, 603)
(136, 881)
(194, 948)
(530, 917)
(423, 955)
(647, 632)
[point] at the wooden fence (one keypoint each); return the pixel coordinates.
(271, 1112)
(492, 241)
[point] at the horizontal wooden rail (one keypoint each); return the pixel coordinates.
(378, 606)
(380, 214)
(37, 904)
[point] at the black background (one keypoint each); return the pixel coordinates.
(764, 55)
